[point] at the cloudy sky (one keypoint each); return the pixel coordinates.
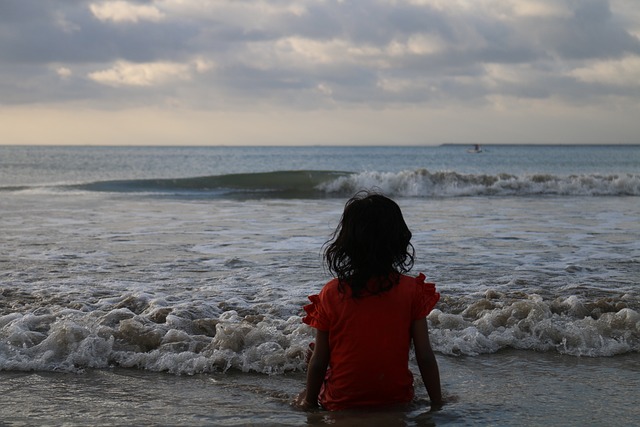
(225, 72)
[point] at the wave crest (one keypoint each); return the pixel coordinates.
(308, 184)
(423, 183)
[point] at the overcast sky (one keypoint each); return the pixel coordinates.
(225, 72)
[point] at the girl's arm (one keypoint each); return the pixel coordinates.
(427, 361)
(316, 371)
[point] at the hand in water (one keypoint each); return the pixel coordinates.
(446, 400)
(301, 402)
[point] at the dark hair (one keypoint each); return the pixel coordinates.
(372, 241)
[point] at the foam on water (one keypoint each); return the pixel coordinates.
(425, 183)
(141, 331)
(120, 334)
(566, 326)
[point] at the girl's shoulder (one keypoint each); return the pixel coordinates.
(331, 289)
(424, 293)
(331, 285)
(418, 285)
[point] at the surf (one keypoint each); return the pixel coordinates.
(288, 184)
(420, 183)
(424, 183)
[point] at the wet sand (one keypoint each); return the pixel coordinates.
(506, 388)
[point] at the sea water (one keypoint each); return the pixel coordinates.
(164, 285)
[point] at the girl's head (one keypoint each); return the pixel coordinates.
(372, 241)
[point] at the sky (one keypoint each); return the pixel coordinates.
(319, 72)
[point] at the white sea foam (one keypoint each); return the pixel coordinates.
(425, 183)
(137, 331)
(535, 325)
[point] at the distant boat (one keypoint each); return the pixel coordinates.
(476, 149)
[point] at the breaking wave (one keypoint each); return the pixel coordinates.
(423, 183)
(139, 331)
(305, 184)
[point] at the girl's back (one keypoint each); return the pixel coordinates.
(369, 338)
(368, 315)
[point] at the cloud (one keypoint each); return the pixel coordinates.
(64, 24)
(541, 9)
(623, 72)
(321, 55)
(122, 11)
(124, 73)
(63, 72)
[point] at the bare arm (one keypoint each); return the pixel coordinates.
(427, 361)
(316, 371)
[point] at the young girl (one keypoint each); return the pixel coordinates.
(366, 318)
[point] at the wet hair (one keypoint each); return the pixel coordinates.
(372, 241)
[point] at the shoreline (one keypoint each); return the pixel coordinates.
(506, 388)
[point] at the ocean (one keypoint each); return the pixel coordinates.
(165, 285)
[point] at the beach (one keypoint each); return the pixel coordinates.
(164, 286)
(507, 388)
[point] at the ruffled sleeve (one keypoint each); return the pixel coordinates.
(426, 297)
(315, 314)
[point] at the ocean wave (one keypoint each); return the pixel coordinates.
(566, 325)
(305, 184)
(297, 184)
(137, 331)
(423, 183)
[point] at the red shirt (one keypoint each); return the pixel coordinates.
(369, 340)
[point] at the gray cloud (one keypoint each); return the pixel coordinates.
(590, 33)
(311, 54)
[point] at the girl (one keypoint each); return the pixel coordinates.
(368, 315)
